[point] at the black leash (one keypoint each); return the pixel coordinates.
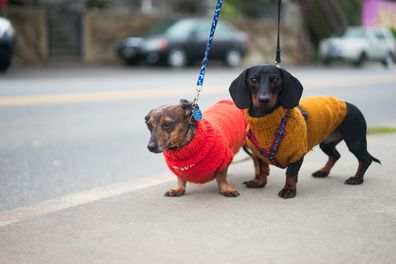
(278, 50)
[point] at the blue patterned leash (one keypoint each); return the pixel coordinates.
(196, 112)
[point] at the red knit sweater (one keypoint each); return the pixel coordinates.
(217, 138)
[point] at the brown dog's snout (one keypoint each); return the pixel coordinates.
(152, 146)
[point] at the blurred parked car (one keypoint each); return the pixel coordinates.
(7, 43)
(360, 44)
(183, 42)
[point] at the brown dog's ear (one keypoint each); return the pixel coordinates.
(291, 90)
(147, 117)
(186, 106)
(239, 91)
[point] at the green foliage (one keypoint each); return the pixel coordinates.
(393, 32)
(381, 130)
(238, 8)
(352, 10)
(98, 3)
(230, 9)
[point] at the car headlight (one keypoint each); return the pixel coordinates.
(156, 44)
(6, 29)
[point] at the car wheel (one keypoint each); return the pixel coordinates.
(130, 62)
(388, 60)
(177, 58)
(327, 61)
(361, 60)
(233, 58)
(4, 65)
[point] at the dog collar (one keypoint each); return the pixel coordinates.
(279, 135)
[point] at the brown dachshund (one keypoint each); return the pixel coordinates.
(283, 128)
(197, 151)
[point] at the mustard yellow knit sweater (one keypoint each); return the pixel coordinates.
(324, 115)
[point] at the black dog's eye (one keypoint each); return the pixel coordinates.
(275, 80)
(253, 81)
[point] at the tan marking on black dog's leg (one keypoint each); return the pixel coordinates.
(328, 147)
(179, 190)
(290, 189)
(224, 187)
(262, 171)
(358, 178)
(325, 170)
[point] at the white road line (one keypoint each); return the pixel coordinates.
(76, 199)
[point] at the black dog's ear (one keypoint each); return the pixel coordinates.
(239, 91)
(291, 90)
(186, 106)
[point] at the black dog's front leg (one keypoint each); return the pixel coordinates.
(290, 189)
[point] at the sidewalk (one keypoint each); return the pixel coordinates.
(328, 222)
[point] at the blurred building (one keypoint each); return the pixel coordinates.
(88, 31)
(379, 13)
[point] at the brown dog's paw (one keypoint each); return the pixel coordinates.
(174, 193)
(254, 184)
(287, 193)
(230, 193)
(320, 174)
(354, 181)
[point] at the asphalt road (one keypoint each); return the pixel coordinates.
(65, 130)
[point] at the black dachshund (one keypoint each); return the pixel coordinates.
(283, 128)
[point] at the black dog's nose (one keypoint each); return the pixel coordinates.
(152, 146)
(264, 99)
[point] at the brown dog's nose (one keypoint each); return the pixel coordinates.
(152, 146)
(264, 99)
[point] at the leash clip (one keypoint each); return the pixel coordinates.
(196, 113)
(195, 101)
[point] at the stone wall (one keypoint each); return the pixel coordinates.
(31, 31)
(104, 28)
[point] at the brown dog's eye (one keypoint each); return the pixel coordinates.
(167, 126)
(149, 126)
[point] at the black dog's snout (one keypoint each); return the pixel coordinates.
(152, 146)
(264, 99)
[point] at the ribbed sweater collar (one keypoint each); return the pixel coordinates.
(268, 122)
(201, 143)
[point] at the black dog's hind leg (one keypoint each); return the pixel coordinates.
(328, 147)
(353, 130)
(290, 189)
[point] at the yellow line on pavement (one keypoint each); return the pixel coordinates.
(314, 83)
(98, 96)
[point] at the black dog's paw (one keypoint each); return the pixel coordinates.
(287, 193)
(320, 174)
(230, 193)
(253, 184)
(354, 181)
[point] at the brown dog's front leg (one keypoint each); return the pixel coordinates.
(262, 171)
(179, 190)
(224, 187)
(290, 189)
